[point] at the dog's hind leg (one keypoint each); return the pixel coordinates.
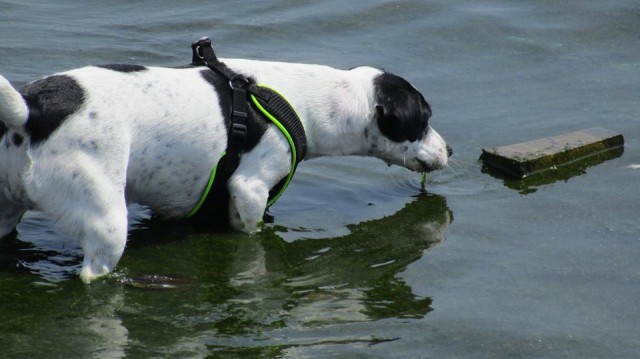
(103, 239)
(85, 197)
(13, 200)
(10, 214)
(100, 226)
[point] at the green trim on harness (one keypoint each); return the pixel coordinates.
(285, 132)
(212, 177)
(294, 155)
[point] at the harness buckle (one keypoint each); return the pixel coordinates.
(239, 82)
(238, 133)
(197, 57)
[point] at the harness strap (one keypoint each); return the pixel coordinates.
(267, 101)
(297, 149)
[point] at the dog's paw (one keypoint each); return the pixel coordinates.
(247, 227)
(246, 208)
(87, 275)
(92, 271)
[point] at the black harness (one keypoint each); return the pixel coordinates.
(250, 102)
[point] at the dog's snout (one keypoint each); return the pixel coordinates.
(449, 151)
(427, 166)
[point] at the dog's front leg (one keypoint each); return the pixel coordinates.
(248, 201)
(259, 171)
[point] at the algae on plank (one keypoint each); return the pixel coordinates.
(526, 158)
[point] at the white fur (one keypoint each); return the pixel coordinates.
(152, 137)
(13, 110)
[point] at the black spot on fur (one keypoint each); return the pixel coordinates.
(91, 146)
(50, 101)
(17, 139)
(402, 112)
(126, 68)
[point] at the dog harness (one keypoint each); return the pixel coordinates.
(248, 99)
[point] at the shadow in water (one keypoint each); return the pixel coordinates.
(356, 275)
(234, 293)
(560, 173)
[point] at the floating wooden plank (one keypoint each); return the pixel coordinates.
(524, 159)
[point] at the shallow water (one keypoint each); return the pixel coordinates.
(360, 260)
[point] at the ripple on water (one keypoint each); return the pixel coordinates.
(330, 194)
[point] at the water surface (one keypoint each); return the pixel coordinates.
(360, 260)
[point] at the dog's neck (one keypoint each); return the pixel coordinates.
(335, 106)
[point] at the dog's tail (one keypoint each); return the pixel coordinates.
(13, 109)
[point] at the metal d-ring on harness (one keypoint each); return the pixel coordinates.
(214, 202)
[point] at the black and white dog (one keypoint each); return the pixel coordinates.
(81, 144)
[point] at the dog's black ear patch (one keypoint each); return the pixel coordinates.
(126, 68)
(401, 111)
(50, 101)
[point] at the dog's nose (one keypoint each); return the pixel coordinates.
(449, 151)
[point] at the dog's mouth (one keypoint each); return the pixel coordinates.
(426, 167)
(419, 165)
(438, 163)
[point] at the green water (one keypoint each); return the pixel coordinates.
(237, 294)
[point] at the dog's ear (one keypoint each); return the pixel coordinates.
(402, 112)
(390, 125)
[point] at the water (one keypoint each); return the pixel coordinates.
(360, 261)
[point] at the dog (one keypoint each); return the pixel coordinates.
(80, 145)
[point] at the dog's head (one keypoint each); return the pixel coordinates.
(399, 130)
